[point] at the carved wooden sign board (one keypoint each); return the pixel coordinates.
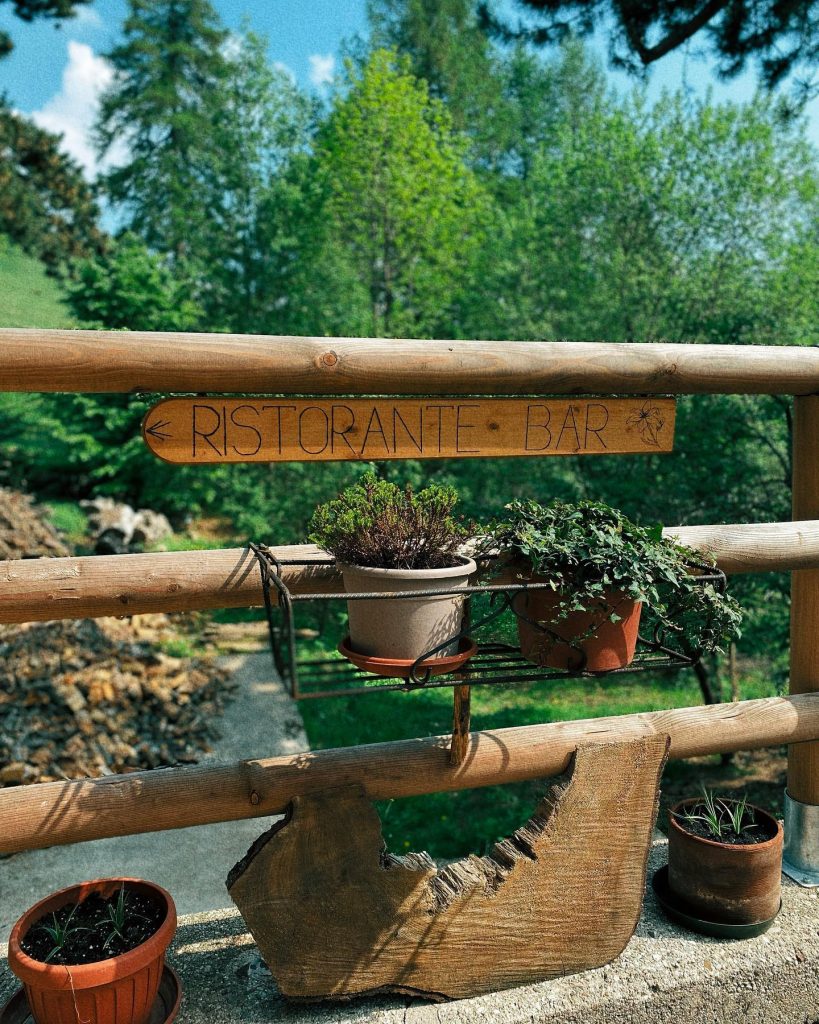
(221, 430)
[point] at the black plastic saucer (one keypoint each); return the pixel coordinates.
(164, 1010)
(681, 913)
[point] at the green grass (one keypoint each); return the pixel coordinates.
(70, 520)
(28, 297)
(179, 647)
(182, 542)
(453, 824)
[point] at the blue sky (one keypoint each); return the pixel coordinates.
(55, 73)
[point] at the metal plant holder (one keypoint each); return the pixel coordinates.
(495, 662)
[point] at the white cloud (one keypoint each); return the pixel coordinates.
(72, 110)
(85, 16)
(285, 69)
(232, 46)
(322, 68)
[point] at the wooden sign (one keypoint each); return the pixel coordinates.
(201, 430)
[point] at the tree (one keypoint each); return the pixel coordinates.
(449, 50)
(28, 10)
(162, 105)
(211, 128)
(128, 287)
(398, 199)
(46, 206)
(93, 442)
(524, 280)
(262, 124)
(781, 37)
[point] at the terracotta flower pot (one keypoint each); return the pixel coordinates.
(732, 884)
(608, 645)
(405, 627)
(119, 990)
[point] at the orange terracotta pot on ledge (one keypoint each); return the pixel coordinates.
(119, 990)
(609, 645)
(729, 883)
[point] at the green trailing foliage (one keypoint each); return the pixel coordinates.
(377, 524)
(591, 554)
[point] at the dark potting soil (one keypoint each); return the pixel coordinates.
(89, 933)
(752, 834)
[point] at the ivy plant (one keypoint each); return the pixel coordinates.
(590, 554)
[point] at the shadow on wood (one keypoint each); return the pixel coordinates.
(335, 915)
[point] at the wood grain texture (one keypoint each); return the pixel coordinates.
(39, 589)
(803, 760)
(225, 430)
(334, 916)
(54, 813)
(461, 719)
(119, 361)
(754, 547)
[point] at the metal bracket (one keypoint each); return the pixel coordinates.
(800, 861)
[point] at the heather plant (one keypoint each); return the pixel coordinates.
(378, 524)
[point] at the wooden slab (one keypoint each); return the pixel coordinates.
(335, 915)
(208, 430)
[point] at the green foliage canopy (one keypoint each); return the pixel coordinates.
(46, 206)
(404, 209)
(781, 37)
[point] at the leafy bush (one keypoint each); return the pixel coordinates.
(589, 551)
(383, 526)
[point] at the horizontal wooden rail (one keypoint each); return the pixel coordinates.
(40, 589)
(55, 813)
(73, 588)
(116, 361)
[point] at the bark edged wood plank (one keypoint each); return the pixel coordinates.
(336, 916)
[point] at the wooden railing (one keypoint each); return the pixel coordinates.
(38, 360)
(176, 581)
(116, 361)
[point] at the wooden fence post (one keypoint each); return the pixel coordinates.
(802, 796)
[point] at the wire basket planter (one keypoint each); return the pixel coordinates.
(486, 658)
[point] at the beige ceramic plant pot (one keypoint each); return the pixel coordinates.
(405, 628)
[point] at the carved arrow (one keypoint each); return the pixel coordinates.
(155, 430)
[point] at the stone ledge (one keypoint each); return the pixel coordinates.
(664, 975)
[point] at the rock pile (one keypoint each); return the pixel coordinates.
(117, 528)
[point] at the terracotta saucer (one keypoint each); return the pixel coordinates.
(680, 913)
(399, 668)
(164, 1010)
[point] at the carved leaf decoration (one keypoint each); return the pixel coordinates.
(649, 423)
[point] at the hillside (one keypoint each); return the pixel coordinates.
(28, 297)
